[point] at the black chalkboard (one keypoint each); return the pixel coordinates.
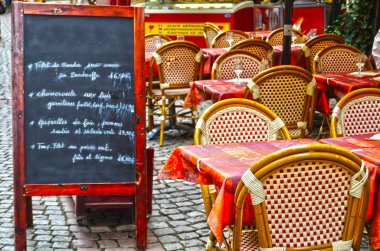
(79, 99)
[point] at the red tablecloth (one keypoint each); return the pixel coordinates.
(294, 52)
(369, 151)
(214, 90)
(223, 165)
(339, 84)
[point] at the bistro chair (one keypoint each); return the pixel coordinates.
(357, 113)
(232, 121)
(179, 64)
(309, 197)
(276, 37)
(315, 45)
(289, 91)
(223, 67)
(210, 31)
(150, 43)
(257, 46)
(337, 58)
(221, 42)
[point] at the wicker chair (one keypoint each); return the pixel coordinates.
(179, 63)
(315, 45)
(310, 197)
(337, 58)
(289, 91)
(150, 45)
(220, 40)
(257, 46)
(226, 116)
(276, 37)
(223, 66)
(357, 113)
(210, 31)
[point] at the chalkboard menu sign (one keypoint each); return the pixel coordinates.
(79, 97)
(78, 106)
(79, 121)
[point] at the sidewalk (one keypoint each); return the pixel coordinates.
(178, 221)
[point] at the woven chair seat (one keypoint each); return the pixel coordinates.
(172, 92)
(249, 240)
(296, 133)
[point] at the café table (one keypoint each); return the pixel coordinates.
(339, 84)
(369, 151)
(214, 90)
(223, 165)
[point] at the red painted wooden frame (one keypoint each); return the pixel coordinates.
(22, 191)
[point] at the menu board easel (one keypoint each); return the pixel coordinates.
(78, 106)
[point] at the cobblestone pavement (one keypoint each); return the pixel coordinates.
(178, 220)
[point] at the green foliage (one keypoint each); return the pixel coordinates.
(353, 24)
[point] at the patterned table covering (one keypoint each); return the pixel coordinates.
(340, 84)
(214, 90)
(222, 165)
(369, 151)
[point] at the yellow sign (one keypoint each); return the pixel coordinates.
(180, 29)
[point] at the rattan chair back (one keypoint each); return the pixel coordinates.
(289, 91)
(257, 46)
(315, 45)
(223, 66)
(179, 63)
(310, 197)
(337, 58)
(238, 120)
(276, 37)
(357, 113)
(150, 45)
(210, 31)
(221, 42)
(232, 121)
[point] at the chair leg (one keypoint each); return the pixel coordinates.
(163, 118)
(325, 122)
(150, 115)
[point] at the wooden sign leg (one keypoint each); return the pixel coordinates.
(29, 212)
(141, 210)
(20, 216)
